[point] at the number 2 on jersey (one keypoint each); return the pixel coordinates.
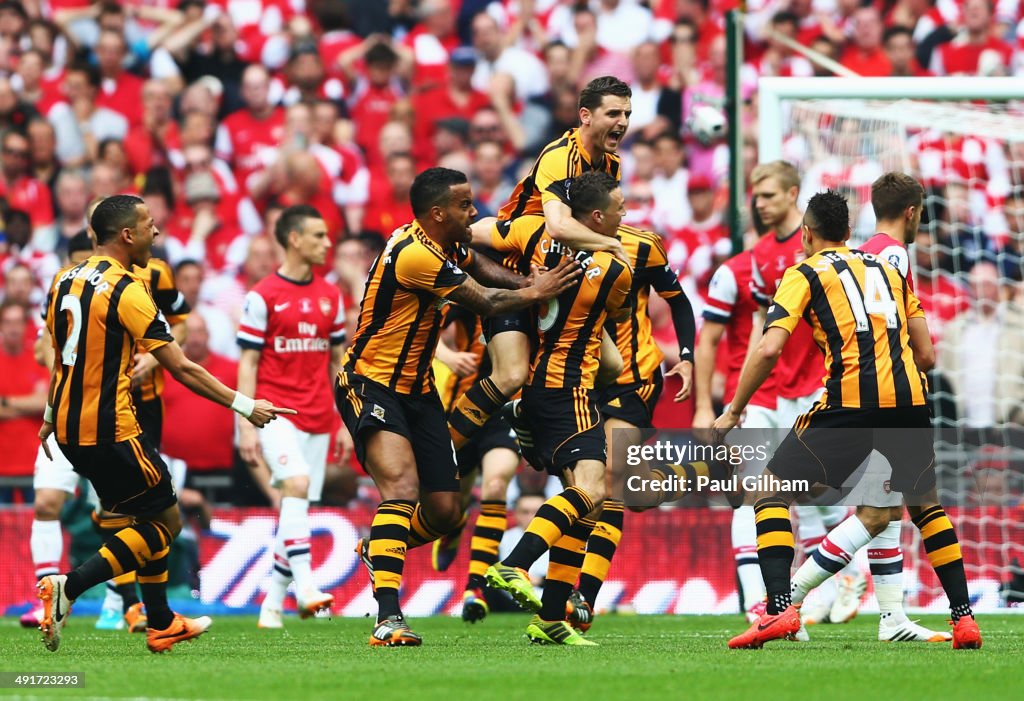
(73, 305)
(876, 299)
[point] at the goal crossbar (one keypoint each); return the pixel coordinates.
(773, 91)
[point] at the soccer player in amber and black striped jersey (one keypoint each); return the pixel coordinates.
(876, 342)
(604, 109)
(385, 391)
(97, 316)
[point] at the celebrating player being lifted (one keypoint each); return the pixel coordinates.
(876, 343)
(604, 109)
(386, 391)
(97, 314)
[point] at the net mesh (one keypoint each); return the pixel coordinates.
(967, 266)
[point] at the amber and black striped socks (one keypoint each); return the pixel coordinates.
(943, 550)
(108, 525)
(153, 583)
(473, 409)
(421, 531)
(775, 550)
(601, 548)
(553, 519)
(128, 550)
(566, 561)
(389, 540)
(490, 527)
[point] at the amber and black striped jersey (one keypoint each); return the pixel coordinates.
(400, 315)
(561, 160)
(858, 306)
(570, 325)
(98, 315)
(159, 279)
(640, 354)
(469, 338)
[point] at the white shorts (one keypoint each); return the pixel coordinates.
(789, 410)
(290, 452)
(759, 417)
(872, 489)
(54, 474)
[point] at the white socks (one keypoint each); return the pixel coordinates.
(47, 545)
(835, 552)
(886, 559)
(293, 538)
(280, 577)
(744, 548)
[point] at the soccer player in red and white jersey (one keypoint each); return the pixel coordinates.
(244, 135)
(798, 377)
(729, 313)
(898, 200)
(291, 334)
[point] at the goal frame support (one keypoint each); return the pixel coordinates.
(773, 91)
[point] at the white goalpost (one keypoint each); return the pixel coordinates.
(963, 138)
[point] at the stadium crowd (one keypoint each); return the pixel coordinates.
(222, 113)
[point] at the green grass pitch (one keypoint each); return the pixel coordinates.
(639, 656)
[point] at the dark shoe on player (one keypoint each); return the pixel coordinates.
(966, 635)
(474, 606)
(393, 631)
(578, 613)
(446, 548)
(363, 551)
(768, 627)
(516, 582)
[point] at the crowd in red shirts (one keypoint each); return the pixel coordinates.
(222, 112)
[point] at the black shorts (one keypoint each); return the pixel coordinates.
(826, 445)
(130, 477)
(150, 414)
(521, 321)
(496, 433)
(633, 403)
(367, 406)
(566, 425)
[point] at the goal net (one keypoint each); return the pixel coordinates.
(966, 262)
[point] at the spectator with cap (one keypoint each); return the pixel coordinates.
(457, 98)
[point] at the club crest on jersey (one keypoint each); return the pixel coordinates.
(377, 412)
(325, 306)
(305, 306)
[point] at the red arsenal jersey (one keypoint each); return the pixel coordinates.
(798, 372)
(242, 141)
(888, 248)
(294, 325)
(731, 302)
